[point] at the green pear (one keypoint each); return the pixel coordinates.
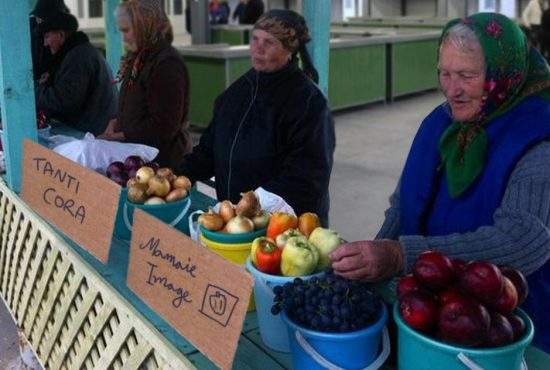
(325, 240)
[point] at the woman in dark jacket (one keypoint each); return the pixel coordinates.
(154, 95)
(272, 128)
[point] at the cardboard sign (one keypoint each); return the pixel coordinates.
(201, 294)
(79, 201)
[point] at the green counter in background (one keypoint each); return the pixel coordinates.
(231, 34)
(362, 70)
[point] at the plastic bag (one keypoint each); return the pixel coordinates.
(271, 202)
(97, 154)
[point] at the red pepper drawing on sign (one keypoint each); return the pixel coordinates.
(217, 303)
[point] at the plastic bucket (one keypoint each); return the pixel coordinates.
(354, 350)
(225, 246)
(272, 328)
(170, 213)
(418, 352)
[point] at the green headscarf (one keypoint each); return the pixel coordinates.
(514, 71)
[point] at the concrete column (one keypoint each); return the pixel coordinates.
(442, 8)
(317, 15)
(113, 38)
(200, 25)
(16, 86)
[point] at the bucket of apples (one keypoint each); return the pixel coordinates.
(456, 315)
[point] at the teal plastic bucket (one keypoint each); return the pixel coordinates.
(171, 213)
(359, 349)
(272, 328)
(418, 352)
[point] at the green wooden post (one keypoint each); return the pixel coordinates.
(317, 15)
(32, 4)
(113, 39)
(16, 86)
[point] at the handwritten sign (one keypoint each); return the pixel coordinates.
(79, 201)
(202, 295)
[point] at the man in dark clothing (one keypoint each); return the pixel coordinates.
(254, 9)
(272, 128)
(78, 87)
(238, 13)
(41, 55)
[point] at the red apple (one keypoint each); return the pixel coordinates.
(507, 301)
(407, 284)
(500, 332)
(458, 266)
(464, 322)
(483, 280)
(419, 310)
(518, 325)
(450, 294)
(434, 270)
(519, 281)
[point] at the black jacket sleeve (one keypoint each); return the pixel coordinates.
(305, 171)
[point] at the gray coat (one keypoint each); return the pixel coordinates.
(79, 91)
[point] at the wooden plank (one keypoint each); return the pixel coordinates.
(16, 86)
(90, 337)
(113, 347)
(248, 356)
(10, 246)
(283, 359)
(75, 325)
(61, 315)
(15, 269)
(317, 15)
(43, 283)
(31, 284)
(48, 306)
(138, 356)
(25, 265)
(6, 219)
(113, 38)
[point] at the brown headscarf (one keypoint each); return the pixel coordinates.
(151, 26)
(291, 30)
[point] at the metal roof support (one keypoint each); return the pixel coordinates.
(317, 15)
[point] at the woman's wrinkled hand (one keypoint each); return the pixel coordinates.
(371, 260)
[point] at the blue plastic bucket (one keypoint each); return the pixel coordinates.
(171, 213)
(272, 328)
(354, 350)
(418, 352)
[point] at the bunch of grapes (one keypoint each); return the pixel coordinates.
(328, 304)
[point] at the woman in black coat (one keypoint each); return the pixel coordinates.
(272, 128)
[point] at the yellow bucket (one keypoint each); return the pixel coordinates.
(237, 253)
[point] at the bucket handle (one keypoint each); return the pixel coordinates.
(173, 223)
(471, 365)
(376, 364)
(194, 230)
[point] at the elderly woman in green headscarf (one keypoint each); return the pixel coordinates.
(476, 183)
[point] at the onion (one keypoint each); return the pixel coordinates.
(158, 186)
(144, 174)
(137, 194)
(248, 206)
(166, 173)
(133, 162)
(226, 210)
(211, 221)
(154, 201)
(154, 165)
(181, 182)
(175, 195)
(239, 225)
(114, 168)
(120, 178)
(260, 220)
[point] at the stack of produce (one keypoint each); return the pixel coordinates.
(328, 304)
(294, 246)
(147, 183)
(466, 304)
(244, 217)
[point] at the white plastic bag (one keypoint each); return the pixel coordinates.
(271, 202)
(97, 154)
